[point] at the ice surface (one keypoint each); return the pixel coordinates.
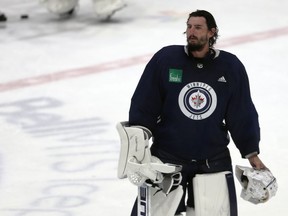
(65, 83)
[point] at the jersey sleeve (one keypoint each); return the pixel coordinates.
(147, 100)
(242, 117)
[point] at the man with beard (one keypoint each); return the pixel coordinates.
(191, 98)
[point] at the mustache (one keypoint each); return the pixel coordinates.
(192, 37)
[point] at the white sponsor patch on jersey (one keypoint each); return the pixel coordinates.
(197, 100)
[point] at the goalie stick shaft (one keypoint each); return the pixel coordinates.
(143, 201)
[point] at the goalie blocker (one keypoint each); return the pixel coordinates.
(159, 189)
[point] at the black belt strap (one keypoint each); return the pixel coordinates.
(232, 194)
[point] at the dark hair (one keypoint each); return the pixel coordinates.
(211, 23)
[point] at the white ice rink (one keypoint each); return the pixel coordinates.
(64, 84)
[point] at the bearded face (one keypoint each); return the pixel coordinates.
(198, 34)
(197, 43)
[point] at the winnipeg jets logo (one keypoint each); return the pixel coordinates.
(197, 100)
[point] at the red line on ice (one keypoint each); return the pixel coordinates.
(123, 63)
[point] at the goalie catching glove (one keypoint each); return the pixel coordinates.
(258, 186)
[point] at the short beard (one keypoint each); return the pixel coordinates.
(199, 46)
(195, 47)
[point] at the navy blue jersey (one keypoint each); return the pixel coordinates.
(191, 105)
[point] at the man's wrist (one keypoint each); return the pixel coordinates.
(251, 155)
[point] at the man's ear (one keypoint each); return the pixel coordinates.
(212, 32)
